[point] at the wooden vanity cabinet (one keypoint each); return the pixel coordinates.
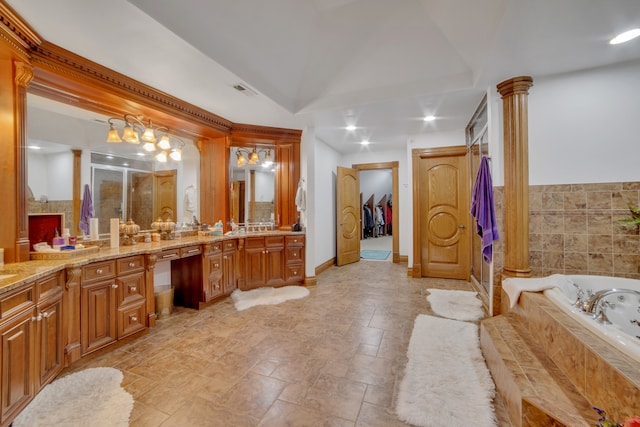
(212, 271)
(31, 351)
(294, 259)
(264, 262)
(229, 275)
(113, 303)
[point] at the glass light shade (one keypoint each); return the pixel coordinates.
(130, 135)
(242, 160)
(162, 157)
(164, 143)
(268, 161)
(149, 146)
(112, 136)
(149, 135)
(176, 154)
(253, 157)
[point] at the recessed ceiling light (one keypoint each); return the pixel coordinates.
(429, 118)
(351, 128)
(34, 147)
(626, 36)
(365, 142)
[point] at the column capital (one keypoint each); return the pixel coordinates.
(515, 86)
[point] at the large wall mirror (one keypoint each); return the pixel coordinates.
(125, 181)
(252, 184)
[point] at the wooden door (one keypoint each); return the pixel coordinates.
(51, 347)
(348, 216)
(444, 217)
(213, 286)
(164, 194)
(274, 261)
(16, 354)
(98, 315)
(228, 272)
(254, 262)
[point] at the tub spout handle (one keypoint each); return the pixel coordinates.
(600, 312)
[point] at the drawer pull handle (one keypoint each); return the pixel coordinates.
(295, 240)
(37, 318)
(114, 286)
(168, 256)
(46, 314)
(190, 251)
(295, 273)
(134, 319)
(132, 264)
(295, 254)
(225, 257)
(216, 265)
(134, 289)
(99, 271)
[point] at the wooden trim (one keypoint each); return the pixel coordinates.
(404, 259)
(16, 32)
(310, 281)
(395, 186)
(325, 266)
(76, 193)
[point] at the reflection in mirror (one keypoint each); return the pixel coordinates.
(126, 181)
(252, 184)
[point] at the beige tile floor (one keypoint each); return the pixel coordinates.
(334, 358)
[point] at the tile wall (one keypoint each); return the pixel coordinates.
(575, 229)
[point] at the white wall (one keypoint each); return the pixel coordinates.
(377, 182)
(324, 195)
(51, 175)
(583, 127)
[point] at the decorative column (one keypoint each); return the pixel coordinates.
(515, 93)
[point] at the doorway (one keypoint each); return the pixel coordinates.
(351, 239)
(441, 220)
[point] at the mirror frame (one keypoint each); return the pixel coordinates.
(45, 69)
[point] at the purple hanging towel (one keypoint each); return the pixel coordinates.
(483, 210)
(86, 210)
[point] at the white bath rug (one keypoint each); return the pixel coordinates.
(92, 397)
(457, 305)
(446, 380)
(267, 296)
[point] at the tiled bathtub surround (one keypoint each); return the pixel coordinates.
(575, 229)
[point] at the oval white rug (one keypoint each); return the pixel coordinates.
(92, 397)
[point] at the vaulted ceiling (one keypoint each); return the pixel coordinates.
(380, 65)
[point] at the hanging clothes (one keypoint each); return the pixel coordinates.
(483, 209)
(367, 222)
(389, 216)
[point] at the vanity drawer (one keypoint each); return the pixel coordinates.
(190, 251)
(169, 254)
(294, 273)
(130, 264)
(130, 289)
(14, 301)
(98, 271)
(230, 245)
(294, 254)
(50, 285)
(295, 240)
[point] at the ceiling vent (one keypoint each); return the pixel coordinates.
(244, 89)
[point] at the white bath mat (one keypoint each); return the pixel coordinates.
(446, 380)
(457, 305)
(92, 397)
(267, 296)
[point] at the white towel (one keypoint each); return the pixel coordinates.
(301, 200)
(514, 286)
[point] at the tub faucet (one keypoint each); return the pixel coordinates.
(592, 303)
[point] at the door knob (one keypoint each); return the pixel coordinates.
(461, 226)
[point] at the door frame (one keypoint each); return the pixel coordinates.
(395, 233)
(416, 155)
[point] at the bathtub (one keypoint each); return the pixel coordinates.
(624, 311)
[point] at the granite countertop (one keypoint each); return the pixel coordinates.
(17, 274)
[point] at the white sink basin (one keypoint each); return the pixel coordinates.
(6, 276)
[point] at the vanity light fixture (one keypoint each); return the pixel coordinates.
(244, 157)
(136, 130)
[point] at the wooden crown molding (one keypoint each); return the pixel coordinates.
(16, 32)
(267, 135)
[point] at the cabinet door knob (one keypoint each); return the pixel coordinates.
(295, 254)
(114, 286)
(46, 314)
(216, 265)
(99, 271)
(132, 264)
(134, 319)
(133, 289)
(225, 257)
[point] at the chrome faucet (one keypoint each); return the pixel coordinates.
(594, 299)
